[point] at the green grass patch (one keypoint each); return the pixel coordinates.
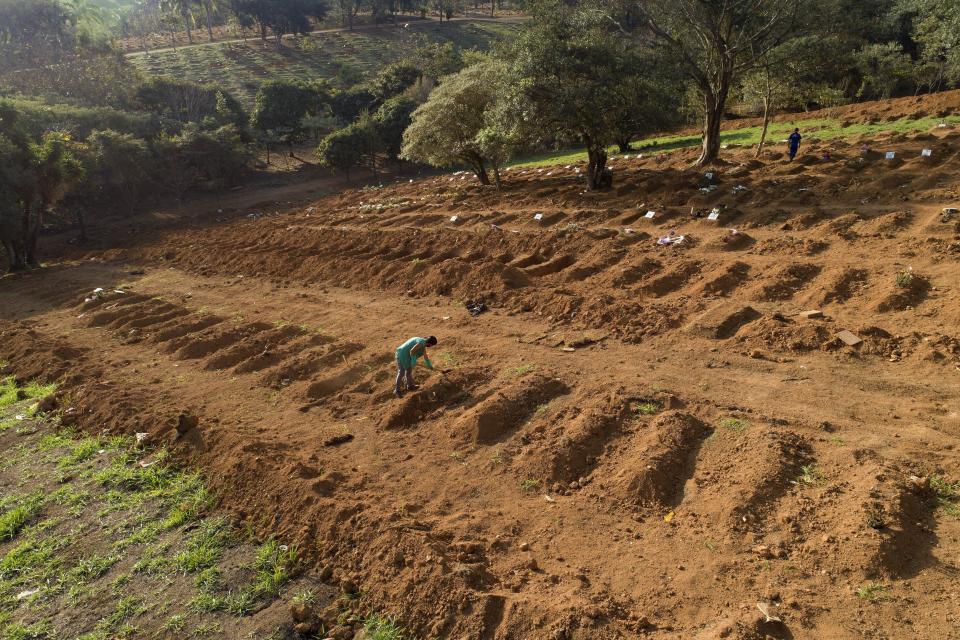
(206, 547)
(274, 566)
(821, 128)
(378, 627)
(946, 494)
(19, 516)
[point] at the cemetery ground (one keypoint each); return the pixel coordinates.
(748, 433)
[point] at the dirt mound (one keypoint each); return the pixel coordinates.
(659, 461)
(506, 411)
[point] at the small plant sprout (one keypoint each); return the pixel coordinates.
(872, 592)
(646, 407)
(735, 425)
(522, 369)
(529, 485)
(810, 475)
(904, 278)
(947, 495)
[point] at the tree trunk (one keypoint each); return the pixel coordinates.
(209, 18)
(496, 175)
(766, 124)
(624, 145)
(713, 116)
(596, 163)
(480, 169)
(30, 248)
(82, 223)
(186, 25)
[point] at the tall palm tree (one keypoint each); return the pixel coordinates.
(180, 8)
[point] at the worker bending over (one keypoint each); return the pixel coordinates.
(407, 355)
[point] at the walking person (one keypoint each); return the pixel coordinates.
(794, 141)
(407, 355)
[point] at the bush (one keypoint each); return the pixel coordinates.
(186, 101)
(37, 116)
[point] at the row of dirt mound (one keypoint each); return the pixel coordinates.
(640, 437)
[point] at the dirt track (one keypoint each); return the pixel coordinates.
(635, 440)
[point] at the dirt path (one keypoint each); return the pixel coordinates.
(633, 440)
(402, 24)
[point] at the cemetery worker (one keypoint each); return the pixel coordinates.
(794, 141)
(407, 355)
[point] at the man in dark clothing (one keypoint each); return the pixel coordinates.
(794, 141)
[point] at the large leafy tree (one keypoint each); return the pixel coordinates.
(936, 28)
(34, 176)
(391, 120)
(715, 41)
(279, 16)
(446, 130)
(282, 105)
(573, 78)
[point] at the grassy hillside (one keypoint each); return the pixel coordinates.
(340, 56)
(812, 129)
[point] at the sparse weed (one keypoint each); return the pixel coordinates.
(305, 596)
(273, 564)
(529, 485)
(175, 623)
(382, 628)
(205, 548)
(810, 474)
(522, 369)
(946, 494)
(904, 278)
(448, 359)
(646, 407)
(735, 425)
(872, 592)
(837, 440)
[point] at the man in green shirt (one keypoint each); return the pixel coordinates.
(407, 355)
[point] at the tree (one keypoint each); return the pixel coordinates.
(391, 120)
(574, 78)
(279, 16)
(34, 176)
(716, 41)
(393, 80)
(882, 67)
(348, 147)
(118, 166)
(936, 28)
(283, 105)
(183, 9)
(187, 101)
(347, 105)
(435, 59)
(446, 129)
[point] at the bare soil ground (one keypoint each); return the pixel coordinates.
(635, 441)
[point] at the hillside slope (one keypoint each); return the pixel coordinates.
(637, 439)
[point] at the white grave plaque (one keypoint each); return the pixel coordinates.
(454, 218)
(710, 176)
(651, 215)
(538, 217)
(891, 155)
(926, 153)
(714, 215)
